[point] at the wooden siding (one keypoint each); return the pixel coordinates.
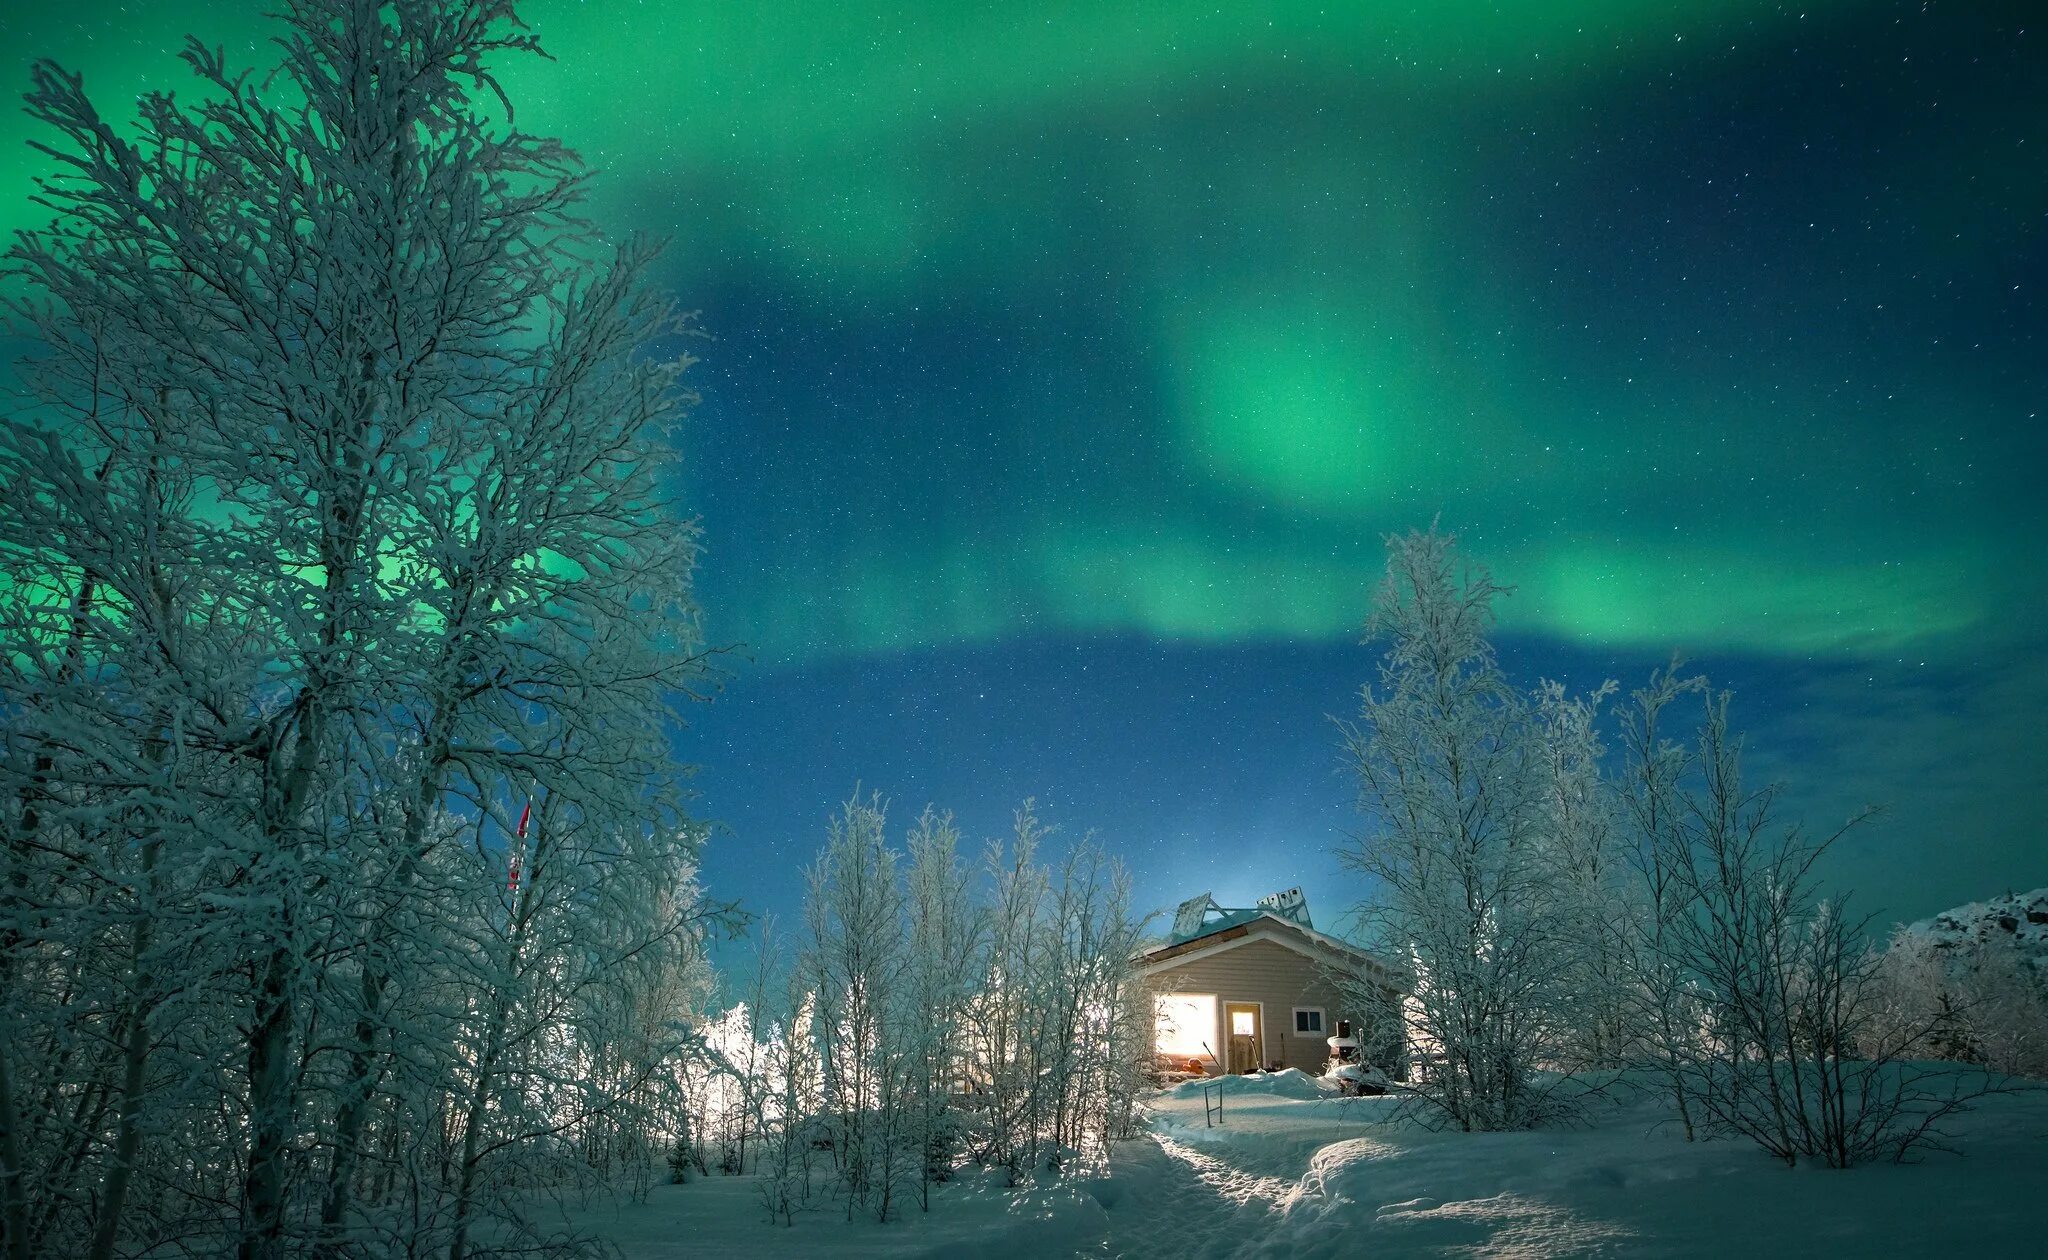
(1261, 971)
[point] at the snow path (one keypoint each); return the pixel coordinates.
(1187, 1189)
(1297, 1172)
(1175, 1201)
(1231, 1184)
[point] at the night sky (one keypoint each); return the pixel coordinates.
(1070, 361)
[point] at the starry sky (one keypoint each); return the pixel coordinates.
(1069, 362)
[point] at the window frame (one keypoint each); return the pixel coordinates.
(1322, 1028)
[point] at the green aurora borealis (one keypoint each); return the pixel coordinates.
(1712, 326)
(1378, 266)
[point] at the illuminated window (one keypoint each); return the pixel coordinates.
(1243, 1023)
(1186, 1025)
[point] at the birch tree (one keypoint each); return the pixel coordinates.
(1668, 1016)
(1596, 896)
(1792, 1047)
(1055, 1018)
(1453, 790)
(949, 1018)
(854, 957)
(944, 942)
(344, 526)
(1555, 915)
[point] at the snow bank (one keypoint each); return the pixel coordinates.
(723, 1216)
(1286, 1083)
(1329, 1177)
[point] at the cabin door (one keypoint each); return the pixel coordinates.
(1245, 1034)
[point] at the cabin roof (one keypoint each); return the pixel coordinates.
(1241, 928)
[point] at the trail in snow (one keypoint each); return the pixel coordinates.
(1179, 1202)
(1233, 1185)
(1187, 1189)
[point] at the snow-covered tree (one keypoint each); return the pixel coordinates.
(1667, 1012)
(1004, 1019)
(1555, 914)
(944, 948)
(1597, 899)
(938, 1018)
(1055, 1027)
(1765, 1009)
(1460, 806)
(793, 1079)
(737, 1075)
(340, 529)
(854, 960)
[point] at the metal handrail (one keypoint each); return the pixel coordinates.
(1212, 1094)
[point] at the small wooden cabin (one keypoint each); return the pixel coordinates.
(1239, 990)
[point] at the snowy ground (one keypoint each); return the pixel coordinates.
(1296, 1172)
(723, 1216)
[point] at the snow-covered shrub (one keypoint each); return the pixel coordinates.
(1971, 985)
(1763, 1008)
(684, 1158)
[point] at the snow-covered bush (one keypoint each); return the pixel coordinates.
(1763, 1005)
(1971, 985)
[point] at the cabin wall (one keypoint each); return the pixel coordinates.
(1261, 971)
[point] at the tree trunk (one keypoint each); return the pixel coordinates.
(270, 1113)
(360, 1092)
(134, 1069)
(13, 1195)
(271, 1102)
(494, 1045)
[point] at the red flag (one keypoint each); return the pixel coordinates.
(512, 884)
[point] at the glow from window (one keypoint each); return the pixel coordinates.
(1186, 1023)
